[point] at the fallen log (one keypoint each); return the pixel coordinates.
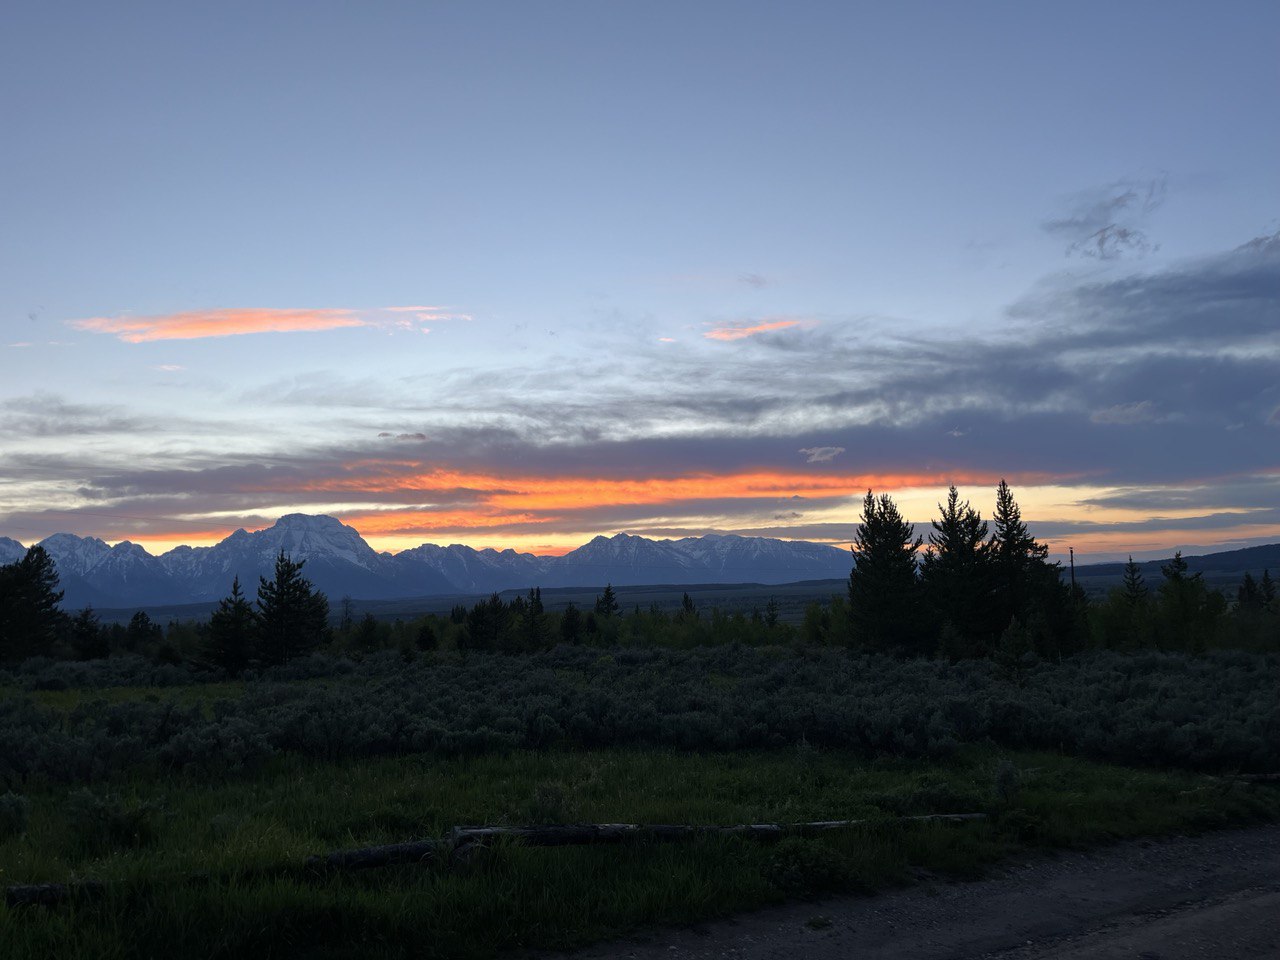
(461, 841)
(559, 835)
(1258, 777)
(51, 894)
(365, 858)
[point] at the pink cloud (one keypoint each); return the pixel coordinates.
(749, 328)
(424, 314)
(197, 324)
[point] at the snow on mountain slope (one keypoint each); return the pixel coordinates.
(75, 556)
(476, 571)
(336, 560)
(764, 559)
(626, 559)
(11, 551)
(93, 573)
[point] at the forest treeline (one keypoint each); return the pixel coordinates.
(968, 589)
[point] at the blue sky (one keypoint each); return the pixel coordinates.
(684, 243)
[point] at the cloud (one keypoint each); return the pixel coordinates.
(754, 280)
(662, 438)
(46, 415)
(1268, 243)
(1106, 222)
(168, 367)
(201, 324)
(821, 454)
(198, 324)
(750, 328)
(1144, 411)
(415, 317)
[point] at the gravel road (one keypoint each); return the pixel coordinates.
(1211, 896)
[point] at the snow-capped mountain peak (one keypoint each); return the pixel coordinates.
(11, 551)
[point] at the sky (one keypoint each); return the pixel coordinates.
(516, 275)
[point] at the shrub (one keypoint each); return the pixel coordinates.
(14, 810)
(1007, 785)
(805, 867)
(100, 823)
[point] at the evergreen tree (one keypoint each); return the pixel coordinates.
(229, 642)
(607, 603)
(534, 622)
(1267, 588)
(1135, 586)
(570, 625)
(292, 618)
(1015, 554)
(1029, 587)
(1184, 610)
(688, 610)
(142, 634)
(956, 579)
(884, 592)
(426, 637)
(771, 610)
(486, 622)
(29, 598)
(88, 641)
(366, 632)
(1248, 596)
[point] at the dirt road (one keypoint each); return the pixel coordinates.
(1213, 896)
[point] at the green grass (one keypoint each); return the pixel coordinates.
(515, 897)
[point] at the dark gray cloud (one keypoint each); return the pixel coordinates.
(47, 415)
(1108, 221)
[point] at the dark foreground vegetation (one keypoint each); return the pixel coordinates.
(148, 836)
(1218, 712)
(193, 768)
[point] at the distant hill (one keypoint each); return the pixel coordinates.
(341, 563)
(1224, 568)
(1248, 559)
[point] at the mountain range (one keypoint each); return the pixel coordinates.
(340, 563)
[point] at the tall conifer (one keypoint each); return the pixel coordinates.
(29, 598)
(1135, 585)
(884, 592)
(955, 575)
(292, 618)
(230, 642)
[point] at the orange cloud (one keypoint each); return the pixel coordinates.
(197, 324)
(740, 331)
(392, 522)
(576, 493)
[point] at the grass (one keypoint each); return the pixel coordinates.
(513, 897)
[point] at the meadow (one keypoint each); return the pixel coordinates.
(197, 800)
